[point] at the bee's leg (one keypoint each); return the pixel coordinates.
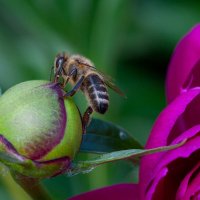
(66, 76)
(86, 118)
(56, 79)
(51, 74)
(65, 81)
(75, 88)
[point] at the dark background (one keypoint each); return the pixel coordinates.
(130, 40)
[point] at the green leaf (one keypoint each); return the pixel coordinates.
(133, 154)
(104, 137)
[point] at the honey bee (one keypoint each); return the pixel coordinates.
(81, 73)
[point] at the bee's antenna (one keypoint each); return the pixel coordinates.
(51, 73)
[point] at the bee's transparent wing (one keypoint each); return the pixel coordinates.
(111, 85)
(109, 82)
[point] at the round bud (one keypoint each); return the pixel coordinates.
(38, 124)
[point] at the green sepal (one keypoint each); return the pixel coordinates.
(17, 163)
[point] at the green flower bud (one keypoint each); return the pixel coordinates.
(39, 130)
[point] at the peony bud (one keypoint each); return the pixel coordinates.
(40, 132)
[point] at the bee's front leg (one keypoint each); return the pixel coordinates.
(86, 118)
(75, 88)
(65, 81)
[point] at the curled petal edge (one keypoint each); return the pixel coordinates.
(186, 55)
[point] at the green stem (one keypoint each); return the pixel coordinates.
(15, 191)
(32, 186)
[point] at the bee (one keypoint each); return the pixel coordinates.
(81, 73)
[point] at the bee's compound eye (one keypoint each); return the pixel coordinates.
(60, 60)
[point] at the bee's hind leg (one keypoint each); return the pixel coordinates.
(86, 118)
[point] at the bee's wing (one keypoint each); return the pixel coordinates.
(111, 85)
(109, 82)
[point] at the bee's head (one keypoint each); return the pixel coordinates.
(59, 62)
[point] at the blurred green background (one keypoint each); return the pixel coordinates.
(131, 40)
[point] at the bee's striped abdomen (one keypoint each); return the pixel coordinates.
(97, 93)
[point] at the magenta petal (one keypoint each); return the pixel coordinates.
(179, 120)
(171, 169)
(185, 57)
(193, 78)
(189, 183)
(116, 192)
(193, 190)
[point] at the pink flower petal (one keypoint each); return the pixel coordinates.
(193, 190)
(185, 57)
(193, 78)
(180, 120)
(186, 185)
(171, 170)
(115, 192)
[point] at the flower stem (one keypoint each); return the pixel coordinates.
(32, 186)
(15, 190)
